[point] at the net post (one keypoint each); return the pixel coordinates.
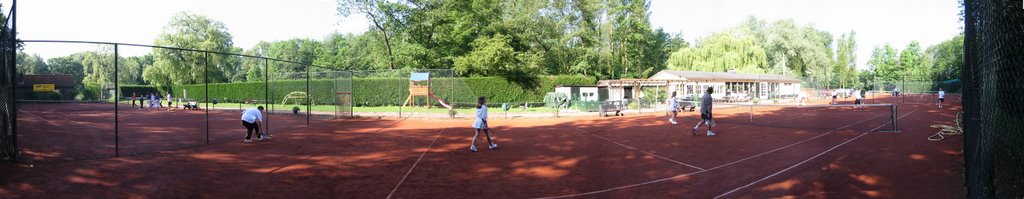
(893, 118)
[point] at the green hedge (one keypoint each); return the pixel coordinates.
(500, 90)
(376, 91)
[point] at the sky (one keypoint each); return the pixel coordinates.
(876, 22)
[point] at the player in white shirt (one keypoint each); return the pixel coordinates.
(673, 108)
(169, 101)
(252, 119)
(835, 94)
(942, 97)
(801, 98)
(858, 99)
(480, 124)
(152, 99)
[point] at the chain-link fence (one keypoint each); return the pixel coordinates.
(8, 119)
(103, 103)
(331, 94)
(910, 91)
(992, 94)
(411, 92)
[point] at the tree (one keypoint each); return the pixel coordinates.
(98, 67)
(632, 31)
(493, 56)
(130, 69)
(346, 52)
(755, 46)
(302, 51)
(32, 64)
(884, 64)
(68, 65)
(189, 31)
(948, 58)
(722, 52)
(380, 13)
(595, 37)
(845, 64)
(911, 63)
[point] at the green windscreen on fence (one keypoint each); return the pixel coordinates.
(992, 94)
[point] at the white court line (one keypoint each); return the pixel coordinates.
(417, 162)
(642, 151)
(713, 168)
(808, 159)
(38, 116)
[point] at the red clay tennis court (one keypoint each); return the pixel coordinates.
(783, 152)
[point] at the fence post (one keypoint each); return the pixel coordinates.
(977, 156)
(266, 94)
(117, 98)
(335, 97)
(206, 85)
(13, 77)
(351, 95)
(309, 98)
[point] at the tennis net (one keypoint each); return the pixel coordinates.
(863, 117)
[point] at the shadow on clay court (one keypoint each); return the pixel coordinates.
(375, 158)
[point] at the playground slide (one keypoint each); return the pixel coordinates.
(442, 102)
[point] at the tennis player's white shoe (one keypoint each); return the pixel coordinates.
(672, 121)
(268, 137)
(247, 141)
(472, 148)
(262, 139)
(493, 146)
(711, 133)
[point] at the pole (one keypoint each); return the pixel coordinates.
(633, 97)
(266, 93)
(13, 74)
(895, 118)
(403, 105)
(336, 102)
(206, 84)
(351, 95)
(751, 113)
(117, 106)
(309, 97)
(451, 95)
(978, 148)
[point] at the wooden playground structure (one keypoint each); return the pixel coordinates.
(419, 85)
